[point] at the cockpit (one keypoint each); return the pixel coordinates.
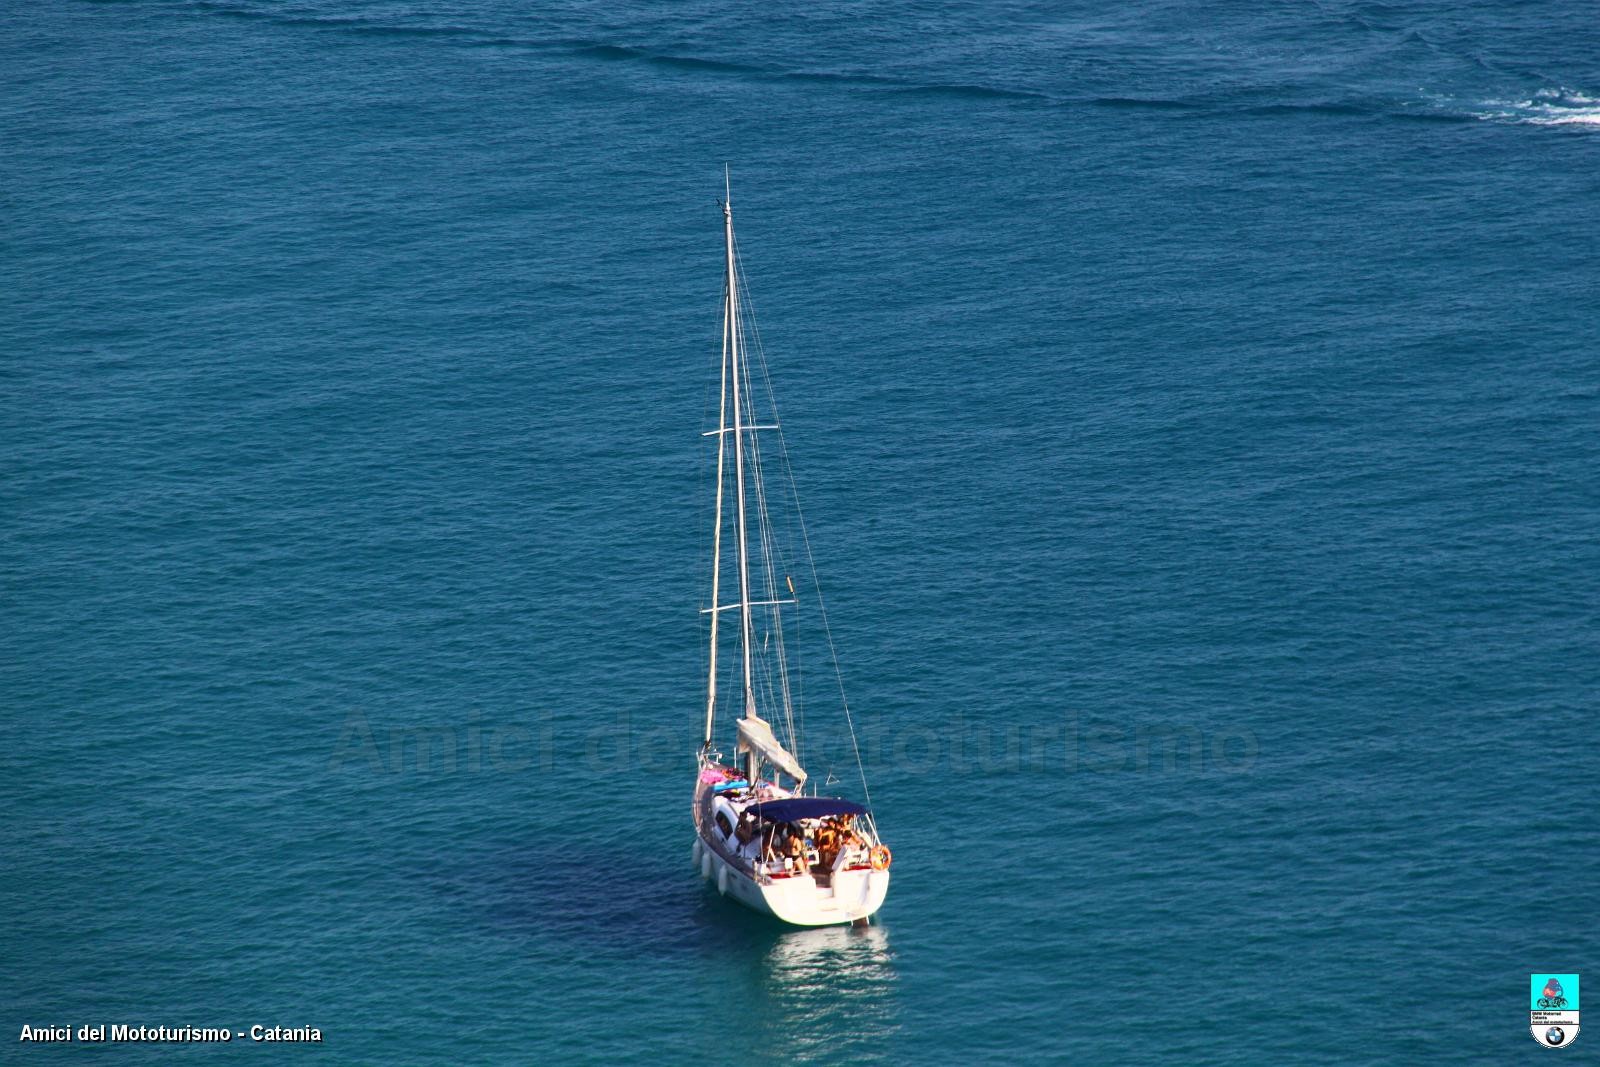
(775, 834)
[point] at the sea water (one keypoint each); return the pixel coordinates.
(1195, 407)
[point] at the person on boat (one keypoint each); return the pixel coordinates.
(848, 838)
(828, 843)
(796, 848)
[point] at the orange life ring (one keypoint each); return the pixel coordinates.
(881, 858)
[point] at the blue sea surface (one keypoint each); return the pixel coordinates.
(1196, 409)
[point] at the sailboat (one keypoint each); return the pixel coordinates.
(760, 837)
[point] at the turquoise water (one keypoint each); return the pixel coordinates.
(1196, 412)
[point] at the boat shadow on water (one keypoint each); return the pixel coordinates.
(634, 903)
(623, 899)
(820, 992)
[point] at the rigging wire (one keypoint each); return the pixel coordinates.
(811, 562)
(767, 544)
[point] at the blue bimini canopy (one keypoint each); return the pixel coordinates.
(795, 808)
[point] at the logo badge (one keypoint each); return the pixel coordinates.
(1553, 1009)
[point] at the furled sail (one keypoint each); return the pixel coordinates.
(755, 735)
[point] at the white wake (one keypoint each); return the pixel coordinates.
(1547, 107)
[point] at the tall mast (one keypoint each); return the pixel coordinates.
(716, 534)
(737, 369)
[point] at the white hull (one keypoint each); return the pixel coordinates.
(853, 894)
